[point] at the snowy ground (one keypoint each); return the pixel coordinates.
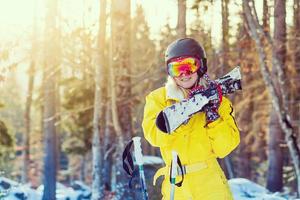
(11, 190)
(242, 189)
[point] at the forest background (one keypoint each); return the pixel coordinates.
(74, 76)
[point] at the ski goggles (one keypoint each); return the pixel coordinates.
(180, 66)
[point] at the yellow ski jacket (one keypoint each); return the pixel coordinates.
(197, 146)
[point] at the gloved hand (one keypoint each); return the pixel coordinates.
(214, 92)
(211, 112)
(211, 109)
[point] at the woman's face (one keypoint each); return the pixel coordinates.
(186, 80)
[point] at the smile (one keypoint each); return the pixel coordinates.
(185, 79)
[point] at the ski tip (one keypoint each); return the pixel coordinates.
(161, 122)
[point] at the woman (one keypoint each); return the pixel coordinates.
(205, 137)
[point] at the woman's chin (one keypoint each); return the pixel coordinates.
(187, 81)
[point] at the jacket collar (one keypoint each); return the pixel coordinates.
(173, 92)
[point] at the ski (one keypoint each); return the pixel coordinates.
(129, 165)
(139, 161)
(173, 173)
(169, 119)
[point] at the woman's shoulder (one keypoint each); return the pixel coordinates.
(158, 94)
(226, 100)
(226, 106)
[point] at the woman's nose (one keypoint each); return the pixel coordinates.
(185, 73)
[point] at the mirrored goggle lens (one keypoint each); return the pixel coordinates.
(183, 66)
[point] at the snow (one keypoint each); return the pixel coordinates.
(11, 190)
(62, 192)
(83, 189)
(243, 189)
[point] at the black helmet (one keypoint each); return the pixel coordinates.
(187, 47)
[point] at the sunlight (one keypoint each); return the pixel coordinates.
(15, 16)
(16, 12)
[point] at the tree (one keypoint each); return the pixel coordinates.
(97, 188)
(276, 136)
(5, 139)
(78, 98)
(225, 36)
(297, 40)
(243, 152)
(181, 22)
(226, 163)
(296, 63)
(49, 83)
(108, 148)
(142, 70)
(78, 101)
(266, 16)
(27, 119)
(12, 113)
(249, 158)
(120, 80)
(28, 104)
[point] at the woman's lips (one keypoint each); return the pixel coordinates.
(185, 79)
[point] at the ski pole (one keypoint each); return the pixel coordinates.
(139, 160)
(173, 174)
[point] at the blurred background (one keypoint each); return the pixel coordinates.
(56, 126)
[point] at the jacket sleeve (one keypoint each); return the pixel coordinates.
(154, 136)
(224, 133)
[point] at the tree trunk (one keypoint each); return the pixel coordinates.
(121, 52)
(58, 118)
(97, 187)
(275, 155)
(83, 162)
(108, 149)
(266, 16)
(297, 46)
(226, 162)
(225, 37)
(276, 135)
(119, 133)
(49, 102)
(26, 137)
(121, 112)
(27, 119)
(181, 22)
(58, 75)
(296, 64)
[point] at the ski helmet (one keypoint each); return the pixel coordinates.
(187, 47)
